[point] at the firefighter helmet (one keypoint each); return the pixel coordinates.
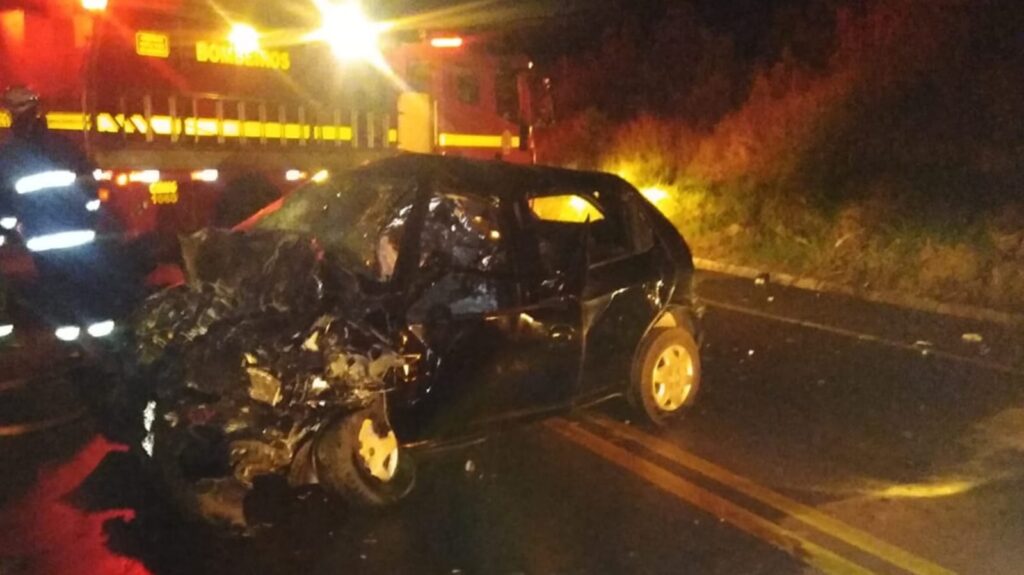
(20, 100)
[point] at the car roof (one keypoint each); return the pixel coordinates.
(493, 177)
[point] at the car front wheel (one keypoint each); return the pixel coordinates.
(359, 459)
(666, 375)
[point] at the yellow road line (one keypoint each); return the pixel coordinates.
(803, 513)
(1002, 368)
(793, 544)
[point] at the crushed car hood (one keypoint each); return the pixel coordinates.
(256, 347)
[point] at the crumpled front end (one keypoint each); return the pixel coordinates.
(250, 359)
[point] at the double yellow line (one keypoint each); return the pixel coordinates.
(802, 548)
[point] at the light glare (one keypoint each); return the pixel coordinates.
(208, 175)
(92, 205)
(321, 176)
(68, 332)
(654, 195)
(6, 330)
(446, 42)
(60, 241)
(45, 181)
(244, 38)
(94, 5)
(9, 222)
(350, 34)
(101, 329)
(145, 176)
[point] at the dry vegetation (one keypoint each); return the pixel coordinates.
(892, 162)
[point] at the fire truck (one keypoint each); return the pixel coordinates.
(195, 110)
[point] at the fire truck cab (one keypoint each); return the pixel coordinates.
(196, 115)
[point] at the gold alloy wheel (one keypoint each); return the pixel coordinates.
(672, 378)
(379, 453)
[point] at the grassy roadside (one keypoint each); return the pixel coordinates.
(880, 236)
(879, 146)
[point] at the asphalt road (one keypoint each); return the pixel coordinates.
(832, 436)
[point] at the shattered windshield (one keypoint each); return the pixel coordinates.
(359, 219)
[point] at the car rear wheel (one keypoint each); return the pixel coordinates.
(666, 375)
(359, 459)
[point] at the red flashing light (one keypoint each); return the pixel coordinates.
(446, 42)
(94, 5)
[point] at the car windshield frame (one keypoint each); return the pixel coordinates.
(348, 214)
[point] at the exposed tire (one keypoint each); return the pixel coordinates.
(348, 466)
(666, 375)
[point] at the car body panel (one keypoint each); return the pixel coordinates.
(497, 316)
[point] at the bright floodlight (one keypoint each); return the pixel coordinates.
(351, 35)
(101, 329)
(92, 205)
(244, 38)
(8, 222)
(45, 181)
(60, 241)
(6, 329)
(68, 332)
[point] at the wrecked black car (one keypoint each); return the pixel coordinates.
(412, 303)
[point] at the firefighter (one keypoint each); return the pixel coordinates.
(46, 181)
(47, 187)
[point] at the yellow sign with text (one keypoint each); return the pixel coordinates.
(222, 53)
(152, 44)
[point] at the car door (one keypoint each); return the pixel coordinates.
(499, 355)
(620, 297)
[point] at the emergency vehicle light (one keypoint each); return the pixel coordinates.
(45, 181)
(446, 42)
(207, 175)
(145, 176)
(8, 223)
(61, 240)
